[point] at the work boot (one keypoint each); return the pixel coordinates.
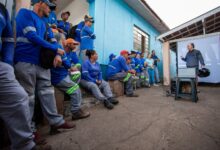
(38, 139)
(146, 85)
(54, 130)
(132, 95)
(113, 101)
(108, 105)
(80, 115)
(42, 147)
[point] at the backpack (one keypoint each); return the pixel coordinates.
(3, 10)
(47, 55)
(72, 33)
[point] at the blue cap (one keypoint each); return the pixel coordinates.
(111, 56)
(33, 2)
(138, 53)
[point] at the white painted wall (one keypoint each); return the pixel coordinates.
(8, 4)
(78, 9)
(209, 46)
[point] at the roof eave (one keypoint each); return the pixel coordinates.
(144, 10)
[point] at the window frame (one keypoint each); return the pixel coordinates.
(142, 41)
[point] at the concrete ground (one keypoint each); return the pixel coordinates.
(150, 122)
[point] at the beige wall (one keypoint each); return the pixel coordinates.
(22, 4)
(78, 9)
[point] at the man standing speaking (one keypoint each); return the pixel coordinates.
(192, 59)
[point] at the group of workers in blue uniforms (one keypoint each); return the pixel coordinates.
(14, 106)
(36, 30)
(34, 34)
(17, 97)
(142, 68)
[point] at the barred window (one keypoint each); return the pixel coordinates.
(141, 40)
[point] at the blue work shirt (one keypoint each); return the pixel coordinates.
(193, 58)
(87, 38)
(138, 65)
(91, 72)
(78, 31)
(65, 26)
(59, 73)
(51, 19)
(155, 59)
(30, 32)
(117, 65)
(6, 37)
(142, 61)
(132, 63)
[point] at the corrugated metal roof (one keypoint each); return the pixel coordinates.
(205, 24)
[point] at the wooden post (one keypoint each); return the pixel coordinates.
(166, 63)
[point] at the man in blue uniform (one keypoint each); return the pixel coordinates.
(51, 20)
(87, 38)
(144, 73)
(77, 32)
(156, 60)
(31, 30)
(118, 70)
(64, 26)
(61, 79)
(132, 56)
(80, 27)
(138, 68)
(14, 108)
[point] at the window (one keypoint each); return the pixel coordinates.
(141, 40)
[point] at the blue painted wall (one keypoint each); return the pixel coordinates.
(114, 22)
(172, 64)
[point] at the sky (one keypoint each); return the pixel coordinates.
(176, 12)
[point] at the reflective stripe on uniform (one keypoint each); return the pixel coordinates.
(137, 66)
(75, 76)
(22, 39)
(85, 37)
(53, 40)
(112, 66)
(78, 65)
(85, 72)
(9, 39)
(127, 77)
(28, 29)
(142, 77)
(72, 89)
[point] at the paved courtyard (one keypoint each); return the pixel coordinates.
(150, 122)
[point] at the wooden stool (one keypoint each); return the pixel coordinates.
(117, 87)
(59, 96)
